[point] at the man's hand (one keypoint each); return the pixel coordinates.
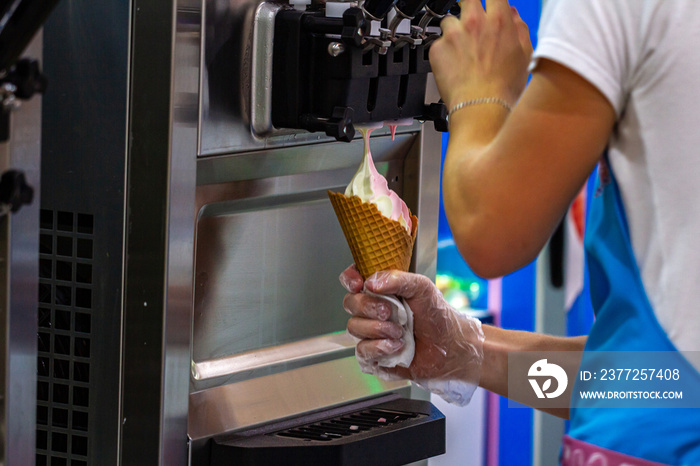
(448, 343)
(485, 53)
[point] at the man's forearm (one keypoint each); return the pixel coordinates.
(477, 181)
(498, 342)
(472, 130)
(509, 178)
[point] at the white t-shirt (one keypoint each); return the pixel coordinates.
(644, 57)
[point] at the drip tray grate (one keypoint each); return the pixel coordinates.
(355, 423)
(394, 432)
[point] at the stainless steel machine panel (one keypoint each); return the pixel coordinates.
(216, 252)
(268, 251)
(237, 42)
(268, 254)
(19, 264)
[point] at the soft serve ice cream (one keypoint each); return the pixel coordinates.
(370, 186)
(377, 224)
(380, 231)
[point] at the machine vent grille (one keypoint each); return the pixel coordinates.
(65, 315)
(346, 425)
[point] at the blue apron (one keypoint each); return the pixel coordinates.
(625, 321)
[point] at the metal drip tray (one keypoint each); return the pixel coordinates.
(394, 432)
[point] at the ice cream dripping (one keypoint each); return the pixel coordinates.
(370, 186)
(393, 124)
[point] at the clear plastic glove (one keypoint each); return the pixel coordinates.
(449, 344)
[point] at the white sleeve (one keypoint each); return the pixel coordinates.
(597, 39)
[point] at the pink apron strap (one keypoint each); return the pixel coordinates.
(578, 453)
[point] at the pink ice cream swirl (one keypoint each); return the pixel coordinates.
(372, 187)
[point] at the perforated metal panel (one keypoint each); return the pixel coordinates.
(65, 338)
(83, 143)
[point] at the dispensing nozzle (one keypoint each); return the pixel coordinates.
(339, 125)
(380, 44)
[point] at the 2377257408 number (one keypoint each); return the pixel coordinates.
(639, 374)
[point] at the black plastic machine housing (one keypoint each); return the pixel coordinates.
(316, 90)
(390, 433)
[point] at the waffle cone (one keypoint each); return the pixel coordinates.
(376, 242)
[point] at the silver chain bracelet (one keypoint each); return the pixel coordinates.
(481, 100)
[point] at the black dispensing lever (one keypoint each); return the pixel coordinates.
(331, 73)
(407, 9)
(436, 9)
(18, 82)
(377, 9)
(339, 125)
(437, 113)
(439, 8)
(352, 27)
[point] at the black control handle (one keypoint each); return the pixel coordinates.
(27, 78)
(437, 113)
(556, 256)
(318, 24)
(352, 27)
(339, 125)
(21, 20)
(355, 26)
(14, 190)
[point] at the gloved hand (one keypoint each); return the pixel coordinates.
(449, 344)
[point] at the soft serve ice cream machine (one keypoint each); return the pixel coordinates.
(337, 66)
(212, 310)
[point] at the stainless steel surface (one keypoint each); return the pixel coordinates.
(326, 345)
(423, 163)
(283, 161)
(180, 242)
(261, 92)
(424, 158)
(231, 250)
(19, 259)
(268, 249)
(229, 121)
(163, 143)
(258, 279)
(256, 401)
(84, 138)
(165, 60)
(428, 151)
(227, 77)
(139, 321)
(550, 319)
(276, 287)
